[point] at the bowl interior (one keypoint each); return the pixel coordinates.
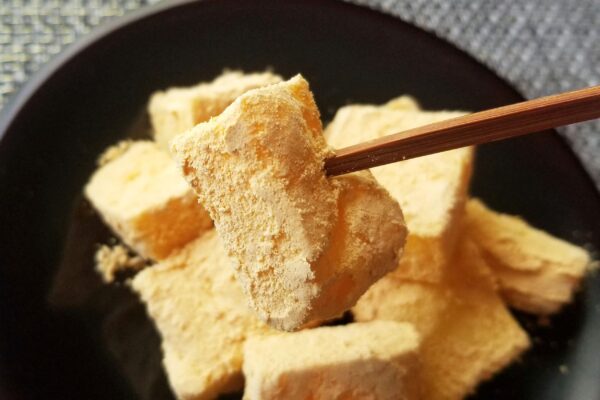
(64, 335)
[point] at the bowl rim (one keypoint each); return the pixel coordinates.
(18, 99)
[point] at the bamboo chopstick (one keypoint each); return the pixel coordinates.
(482, 127)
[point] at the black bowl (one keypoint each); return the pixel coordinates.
(65, 336)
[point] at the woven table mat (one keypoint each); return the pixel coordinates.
(540, 46)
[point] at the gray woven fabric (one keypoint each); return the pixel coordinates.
(541, 46)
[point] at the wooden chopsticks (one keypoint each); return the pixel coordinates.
(482, 127)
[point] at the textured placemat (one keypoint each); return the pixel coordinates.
(541, 46)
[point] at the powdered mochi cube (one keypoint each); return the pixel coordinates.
(202, 316)
(468, 333)
(141, 195)
(305, 247)
(536, 272)
(375, 360)
(431, 190)
(176, 110)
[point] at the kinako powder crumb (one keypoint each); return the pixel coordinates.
(111, 260)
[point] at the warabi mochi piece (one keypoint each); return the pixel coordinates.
(364, 245)
(477, 336)
(536, 272)
(468, 333)
(202, 316)
(403, 103)
(431, 190)
(176, 110)
(141, 195)
(258, 169)
(375, 360)
(304, 246)
(394, 298)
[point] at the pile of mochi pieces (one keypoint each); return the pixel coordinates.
(426, 273)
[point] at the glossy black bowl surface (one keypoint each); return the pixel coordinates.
(65, 336)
